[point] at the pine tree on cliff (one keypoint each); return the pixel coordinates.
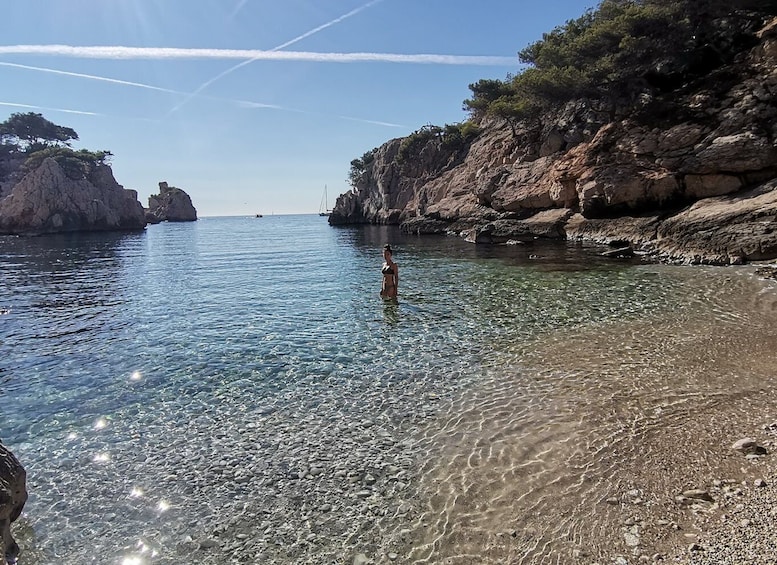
(621, 51)
(36, 138)
(32, 132)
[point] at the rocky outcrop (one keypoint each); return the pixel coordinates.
(47, 200)
(721, 230)
(689, 175)
(170, 205)
(395, 189)
(13, 495)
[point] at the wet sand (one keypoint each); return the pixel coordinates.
(582, 452)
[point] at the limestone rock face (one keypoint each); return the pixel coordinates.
(171, 204)
(686, 174)
(392, 192)
(13, 495)
(47, 200)
(727, 229)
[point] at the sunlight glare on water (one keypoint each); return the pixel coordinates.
(234, 389)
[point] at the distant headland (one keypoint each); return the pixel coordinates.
(47, 187)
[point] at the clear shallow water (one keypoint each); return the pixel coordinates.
(233, 390)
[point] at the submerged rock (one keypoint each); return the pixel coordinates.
(619, 252)
(767, 272)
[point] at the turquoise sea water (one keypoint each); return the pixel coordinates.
(235, 391)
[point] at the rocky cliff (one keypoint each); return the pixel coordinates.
(688, 175)
(171, 204)
(49, 199)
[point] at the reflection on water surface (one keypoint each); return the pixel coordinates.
(235, 390)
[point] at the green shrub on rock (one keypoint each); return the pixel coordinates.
(76, 164)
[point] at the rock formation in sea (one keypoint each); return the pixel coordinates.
(49, 199)
(171, 204)
(13, 495)
(688, 173)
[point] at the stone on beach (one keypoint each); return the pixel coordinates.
(13, 495)
(698, 494)
(748, 446)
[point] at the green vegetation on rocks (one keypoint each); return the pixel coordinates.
(31, 132)
(451, 138)
(359, 166)
(622, 50)
(34, 138)
(76, 164)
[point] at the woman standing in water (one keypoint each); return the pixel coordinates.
(390, 273)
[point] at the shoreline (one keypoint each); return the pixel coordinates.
(640, 469)
(737, 525)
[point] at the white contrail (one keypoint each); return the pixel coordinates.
(118, 52)
(247, 104)
(233, 68)
(91, 77)
(241, 103)
(326, 25)
(376, 122)
(237, 8)
(31, 107)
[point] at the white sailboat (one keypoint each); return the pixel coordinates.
(323, 209)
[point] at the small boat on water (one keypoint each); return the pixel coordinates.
(258, 215)
(323, 209)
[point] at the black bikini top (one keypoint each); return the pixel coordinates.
(387, 270)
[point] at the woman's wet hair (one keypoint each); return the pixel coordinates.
(387, 247)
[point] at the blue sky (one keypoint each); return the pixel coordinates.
(255, 105)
